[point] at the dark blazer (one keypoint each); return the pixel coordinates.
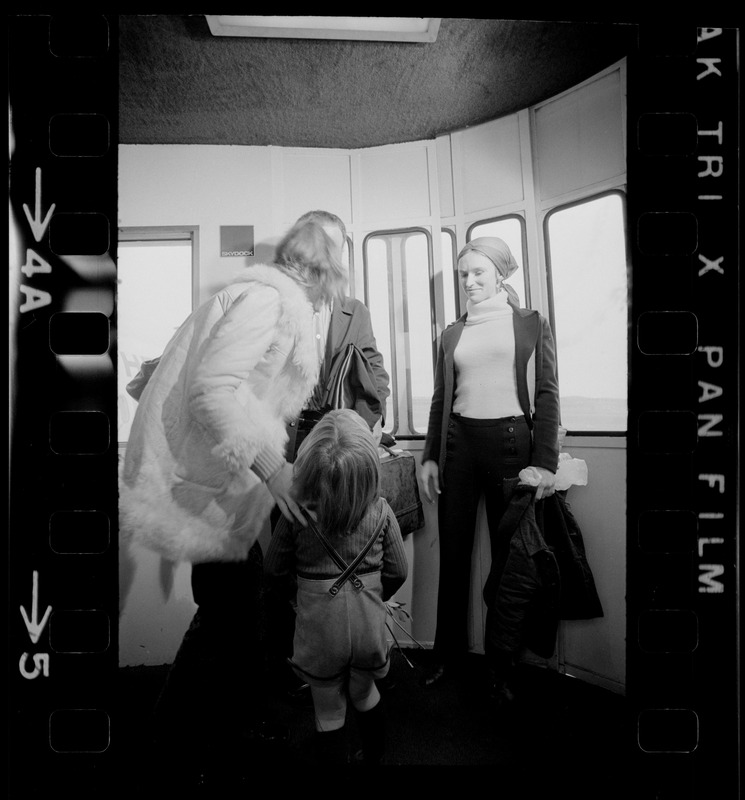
(350, 323)
(537, 388)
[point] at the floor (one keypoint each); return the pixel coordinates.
(558, 731)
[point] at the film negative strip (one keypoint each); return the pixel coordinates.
(682, 633)
(683, 137)
(63, 455)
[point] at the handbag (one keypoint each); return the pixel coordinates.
(137, 385)
(399, 486)
(351, 384)
(340, 392)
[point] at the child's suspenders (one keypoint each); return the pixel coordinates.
(348, 570)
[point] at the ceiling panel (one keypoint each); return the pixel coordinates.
(180, 84)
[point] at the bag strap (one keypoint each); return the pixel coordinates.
(336, 398)
(348, 570)
(389, 451)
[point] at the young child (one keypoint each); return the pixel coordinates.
(348, 561)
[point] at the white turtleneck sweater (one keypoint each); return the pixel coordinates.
(485, 384)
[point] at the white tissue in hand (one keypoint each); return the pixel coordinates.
(571, 472)
(530, 476)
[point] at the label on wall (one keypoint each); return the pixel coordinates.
(236, 240)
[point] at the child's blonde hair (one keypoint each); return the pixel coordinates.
(337, 471)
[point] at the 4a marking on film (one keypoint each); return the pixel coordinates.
(36, 298)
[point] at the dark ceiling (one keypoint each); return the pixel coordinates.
(179, 84)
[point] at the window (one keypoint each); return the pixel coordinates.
(512, 231)
(449, 275)
(587, 270)
(154, 296)
(398, 291)
(348, 261)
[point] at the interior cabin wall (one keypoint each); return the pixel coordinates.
(595, 649)
(512, 165)
(578, 142)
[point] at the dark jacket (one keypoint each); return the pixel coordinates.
(350, 323)
(561, 532)
(351, 384)
(538, 576)
(537, 388)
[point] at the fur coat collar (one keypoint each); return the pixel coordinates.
(237, 370)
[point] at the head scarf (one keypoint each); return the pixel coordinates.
(501, 256)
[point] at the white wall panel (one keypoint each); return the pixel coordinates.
(445, 176)
(579, 138)
(157, 608)
(313, 180)
(394, 184)
(595, 649)
(490, 162)
(207, 186)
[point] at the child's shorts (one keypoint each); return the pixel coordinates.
(338, 634)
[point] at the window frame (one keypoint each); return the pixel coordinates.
(621, 193)
(169, 233)
(350, 265)
(453, 277)
(396, 395)
(165, 234)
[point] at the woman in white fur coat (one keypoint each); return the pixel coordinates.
(205, 459)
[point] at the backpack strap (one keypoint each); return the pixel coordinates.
(348, 570)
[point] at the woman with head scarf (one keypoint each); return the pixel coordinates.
(494, 412)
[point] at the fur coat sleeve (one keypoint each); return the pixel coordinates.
(241, 365)
(221, 397)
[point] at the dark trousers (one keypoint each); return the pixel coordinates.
(215, 686)
(480, 454)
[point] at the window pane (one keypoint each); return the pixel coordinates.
(399, 280)
(153, 299)
(418, 330)
(587, 257)
(347, 258)
(510, 230)
(378, 301)
(449, 278)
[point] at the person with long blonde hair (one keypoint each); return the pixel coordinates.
(205, 464)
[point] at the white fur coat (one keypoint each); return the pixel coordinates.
(236, 370)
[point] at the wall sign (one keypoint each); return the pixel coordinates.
(236, 240)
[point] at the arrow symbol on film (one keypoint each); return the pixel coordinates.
(33, 626)
(38, 226)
